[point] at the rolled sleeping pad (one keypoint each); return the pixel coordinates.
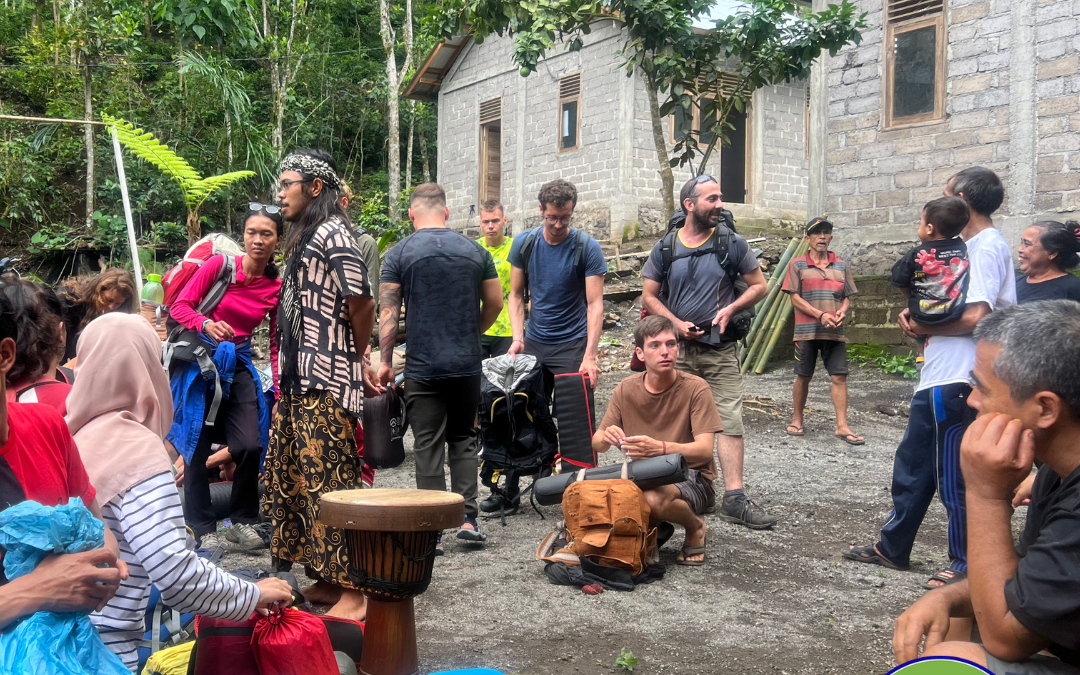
(646, 473)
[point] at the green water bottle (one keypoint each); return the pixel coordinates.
(152, 291)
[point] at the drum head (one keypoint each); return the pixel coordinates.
(392, 510)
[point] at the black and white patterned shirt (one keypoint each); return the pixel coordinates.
(331, 270)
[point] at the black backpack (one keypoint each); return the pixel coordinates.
(581, 243)
(517, 435)
(730, 250)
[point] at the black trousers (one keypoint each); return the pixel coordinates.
(238, 426)
(442, 414)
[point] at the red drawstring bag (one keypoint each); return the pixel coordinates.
(292, 642)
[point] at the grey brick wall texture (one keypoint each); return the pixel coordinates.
(530, 126)
(877, 180)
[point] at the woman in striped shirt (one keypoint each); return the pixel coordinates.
(118, 411)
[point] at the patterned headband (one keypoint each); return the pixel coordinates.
(310, 166)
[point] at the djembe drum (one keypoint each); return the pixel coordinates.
(391, 534)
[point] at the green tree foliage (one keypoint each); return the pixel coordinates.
(197, 73)
(765, 42)
(194, 187)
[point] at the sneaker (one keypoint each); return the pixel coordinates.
(474, 535)
(245, 536)
(745, 512)
(210, 542)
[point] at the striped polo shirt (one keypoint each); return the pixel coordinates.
(824, 288)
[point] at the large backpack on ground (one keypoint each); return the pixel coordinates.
(209, 246)
(608, 523)
(517, 434)
(581, 244)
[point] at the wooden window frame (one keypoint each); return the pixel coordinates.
(483, 123)
(937, 115)
(559, 149)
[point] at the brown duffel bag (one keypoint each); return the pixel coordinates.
(608, 521)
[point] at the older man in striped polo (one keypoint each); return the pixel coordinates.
(820, 286)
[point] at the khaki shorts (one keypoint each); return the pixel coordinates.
(720, 368)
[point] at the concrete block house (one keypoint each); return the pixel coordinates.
(580, 117)
(934, 87)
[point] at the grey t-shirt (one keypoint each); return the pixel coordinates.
(440, 272)
(697, 285)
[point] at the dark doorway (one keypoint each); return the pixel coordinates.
(733, 162)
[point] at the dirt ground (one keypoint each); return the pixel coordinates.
(777, 601)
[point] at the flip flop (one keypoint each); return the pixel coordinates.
(946, 577)
(851, 439)
(689, 551)
(798, 430)
(867, 554)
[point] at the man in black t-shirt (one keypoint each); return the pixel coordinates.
(452, 292)
(1026, 389)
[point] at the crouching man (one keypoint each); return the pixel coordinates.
(1026, 390)
(660, 412)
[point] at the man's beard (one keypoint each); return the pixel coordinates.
(707, 219)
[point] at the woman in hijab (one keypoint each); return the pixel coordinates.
(119, 410)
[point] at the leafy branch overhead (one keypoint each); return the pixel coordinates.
(763, 43)
(193, 186)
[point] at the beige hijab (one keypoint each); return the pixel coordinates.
(120, 407)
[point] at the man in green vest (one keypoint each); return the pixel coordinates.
(496, 341)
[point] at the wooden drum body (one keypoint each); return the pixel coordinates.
(391, 534)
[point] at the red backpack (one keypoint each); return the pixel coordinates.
(212, 244)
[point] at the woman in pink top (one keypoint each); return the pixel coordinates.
(243, 418)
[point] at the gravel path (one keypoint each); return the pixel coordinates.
(780, 601)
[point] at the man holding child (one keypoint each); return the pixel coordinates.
(928, 457)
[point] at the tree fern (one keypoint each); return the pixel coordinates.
(195, 188)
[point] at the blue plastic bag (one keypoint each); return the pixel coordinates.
(51, 643)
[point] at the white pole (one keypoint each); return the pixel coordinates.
(127, 211)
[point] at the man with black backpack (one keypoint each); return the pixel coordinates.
(690, 278)
(558, 271)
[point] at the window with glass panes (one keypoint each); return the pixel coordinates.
(915, 62)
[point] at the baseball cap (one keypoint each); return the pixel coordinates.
(817, 223)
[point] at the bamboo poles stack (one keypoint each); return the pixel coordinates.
(773, 313)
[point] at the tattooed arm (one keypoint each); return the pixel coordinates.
(390, 302)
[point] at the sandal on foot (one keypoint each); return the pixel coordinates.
(473, 535)
(688, 551)
(798, 430)
(946, 577)
(867, 554)
(851, 439)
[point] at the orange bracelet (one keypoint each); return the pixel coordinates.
(664, 443)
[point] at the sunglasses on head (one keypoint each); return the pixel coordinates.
(705, 178)
(269, 209)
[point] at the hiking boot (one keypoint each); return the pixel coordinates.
(245, 536)
(745, 512)
(494, 503)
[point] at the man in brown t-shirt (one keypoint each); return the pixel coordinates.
(665, 411)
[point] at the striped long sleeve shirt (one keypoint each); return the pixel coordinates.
(148, 522)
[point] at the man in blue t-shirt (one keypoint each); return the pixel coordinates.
(566, 305)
